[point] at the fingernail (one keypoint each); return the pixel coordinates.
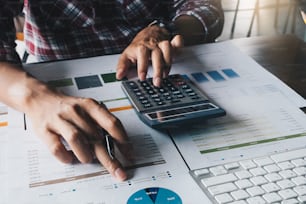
(120, 174)
(142, 76)
(157, 81)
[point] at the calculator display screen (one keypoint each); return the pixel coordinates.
(179, 112)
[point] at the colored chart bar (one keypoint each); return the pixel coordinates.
(122, 108)
(3, 124)
(199, 77)
(230, 73)
(61, 82)
(88, 82)
(108, 78)
(215, 75)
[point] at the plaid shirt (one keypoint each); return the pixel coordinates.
(63, 29)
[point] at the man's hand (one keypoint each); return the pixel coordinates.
(56, 116)
(152, 43)
(78, 121)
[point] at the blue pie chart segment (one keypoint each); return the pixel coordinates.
(154, 196)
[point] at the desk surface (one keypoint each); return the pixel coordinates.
(284, 56)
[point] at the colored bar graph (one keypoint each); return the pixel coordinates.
(215, 75)
(88, 82)
(230, 73)
(199, 77)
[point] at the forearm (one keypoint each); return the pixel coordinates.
(19, 88)
(191, 29)
(199, 21)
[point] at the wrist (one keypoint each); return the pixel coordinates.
(168, 25)
(27, 92)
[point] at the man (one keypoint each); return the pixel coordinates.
(144, 31)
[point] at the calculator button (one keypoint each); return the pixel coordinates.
(189, 91)
(160, 103)
(147, 105)
(145, 101)
(157, 100)
(192, 94)
(132, 84)
(155, 96)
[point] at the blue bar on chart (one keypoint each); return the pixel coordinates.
(199, 77)
(230, 73)
(88, 82)
(215, 75)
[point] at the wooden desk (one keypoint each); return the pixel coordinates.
(284, 56)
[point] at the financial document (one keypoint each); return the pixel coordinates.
(261, 112)
(157, 166)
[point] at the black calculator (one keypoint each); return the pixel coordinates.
(176, 101)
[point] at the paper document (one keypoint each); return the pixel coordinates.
(261, 112)
(157, 168)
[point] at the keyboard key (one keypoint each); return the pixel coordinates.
(258, 180)
(247, 164)
(231, 166)
(218, 170)
(257, 200)
(300, 180)
(300, 190)
(255, 191)
(272, 197)
(201, 172)
(258, 171)
(273, 177)
(223, 188)
(302, 199)
(243, 174)
(285, 184)
(287, 194)
(240, 194)
(301, 171)
(219, 180)
(299, 162)
(286, 165)
(244, 183)
(224, 198)
(263, 161)
(270, 187)
(287, 174)
(272, 168)
(290, 201)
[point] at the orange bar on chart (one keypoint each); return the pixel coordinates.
(120, 108)
(3, 124)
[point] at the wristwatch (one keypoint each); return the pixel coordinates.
(169, 26)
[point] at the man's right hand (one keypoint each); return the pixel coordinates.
(55, 116)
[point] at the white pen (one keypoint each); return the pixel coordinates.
(109, 144)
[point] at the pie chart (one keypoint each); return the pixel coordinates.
(155, 196)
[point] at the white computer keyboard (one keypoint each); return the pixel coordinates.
(278, 178)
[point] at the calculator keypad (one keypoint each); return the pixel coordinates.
(175, 91)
